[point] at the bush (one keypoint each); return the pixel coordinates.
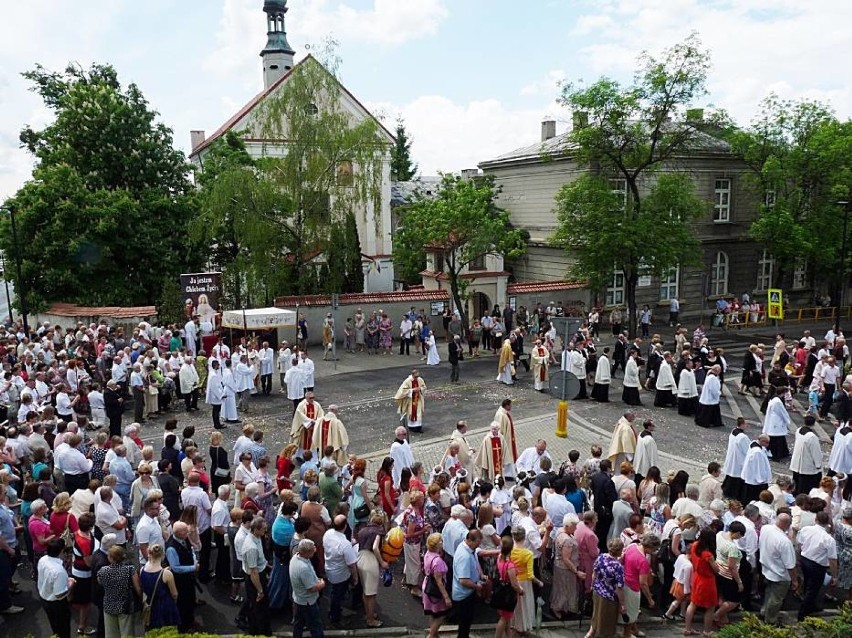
(839, 626)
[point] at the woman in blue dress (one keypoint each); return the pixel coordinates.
(164, 611)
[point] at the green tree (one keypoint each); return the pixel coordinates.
(634, 133)
(463, 224)
(102, 220)
(236, 194)
(402, 168)
(799, 154)
(332, 167)
(352, 260)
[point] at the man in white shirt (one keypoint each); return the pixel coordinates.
(829, 376)
(243, 442)
(54, 587)
(284, 357)
(148, 530)
(818, 551)
(688, 504)
(189, 380)
(73, 463)
(405, 328)
(530, 459)
(107, 518)
(220, 519)
(535, 539)
(193, 494)
(778, 562)
(244, 377)
(307, 367)
(340, 566)
(266, 357)
(808, 340)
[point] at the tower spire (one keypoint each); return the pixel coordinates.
(277, 55)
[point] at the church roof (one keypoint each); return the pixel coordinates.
(257, 99)
(561, 146)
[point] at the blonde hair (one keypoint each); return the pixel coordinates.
(433, 540)
(155, 552)
(62, 503)
(216, 438)
(148, 452)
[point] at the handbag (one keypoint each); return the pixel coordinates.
(67, 534)
(503, 595)
(430, 587)
(147, 602)
(362, 511)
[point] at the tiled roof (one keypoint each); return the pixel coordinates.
(544, 286)
(112, 312)
(399, 296)
(251, 104)
(434, 274)
(561, 145)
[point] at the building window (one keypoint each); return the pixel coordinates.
(719, 275)
(615, 290)
(800, 274)
(311, 109)
(477, 263)
(345, 175)
(619, 187)
(764, 271)
(722, 201)
(769, 198)
(438, 257)
(669, 284)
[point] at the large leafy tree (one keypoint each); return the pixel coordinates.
(799, 154)
(403, 168)
(461, 223)
(330, 170)
(102, 219)
(636, 134)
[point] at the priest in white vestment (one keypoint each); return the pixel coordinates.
(308, 412)
(687, 391)
(215, 392)
(840, 460)
(505, 366)
(577, 367)
(285, 356)
(266, 359)
(401, 453)
(294, 379)
(709, 414)
(756, 469)
(665, 386)
(492, 458)
(466, 452)
(603, 377)
(530, 459)
(540, 362)
(229, 398)
(623, 444)
(410, 401)
(330, 431)
(646, 454)
(190, 331)
(503, 418)
(775, 426)
(738, 442)
(806, 464)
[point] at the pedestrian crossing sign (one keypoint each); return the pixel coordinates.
(775, 305)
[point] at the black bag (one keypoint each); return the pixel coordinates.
(362, 512)
(431, 588)
(503, 595)
(664, 554)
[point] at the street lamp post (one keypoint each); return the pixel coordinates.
(6, 283)
(841, 288)
(19, 284)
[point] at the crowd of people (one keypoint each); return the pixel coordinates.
(125, 532)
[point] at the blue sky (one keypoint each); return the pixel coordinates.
(472, 78)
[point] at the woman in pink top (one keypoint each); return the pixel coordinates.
(637, 579)
(39, 527)
(587, 548)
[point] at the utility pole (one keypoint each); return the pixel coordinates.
(19, 284)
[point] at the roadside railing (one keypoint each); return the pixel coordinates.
(746, 318)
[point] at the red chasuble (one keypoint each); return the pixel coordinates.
(415, 399)
(542, 370)
(497, 454)
(308, 433)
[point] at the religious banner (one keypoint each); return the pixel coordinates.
(201, 297)
(775, 305)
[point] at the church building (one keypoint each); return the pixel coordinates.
(278, 65)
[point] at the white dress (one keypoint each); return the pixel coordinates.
(432, 356)
(505, 375)
(229, 400)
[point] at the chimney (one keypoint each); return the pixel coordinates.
(580, 119)
(469, 173)
(548, 129)
(695, 115)
(197, 138)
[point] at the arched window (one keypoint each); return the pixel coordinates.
(719, 275)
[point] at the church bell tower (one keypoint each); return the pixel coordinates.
(278, 54)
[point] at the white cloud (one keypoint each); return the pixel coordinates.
(548, 86)
(756, 46)
(387, 23)
(449, 136)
